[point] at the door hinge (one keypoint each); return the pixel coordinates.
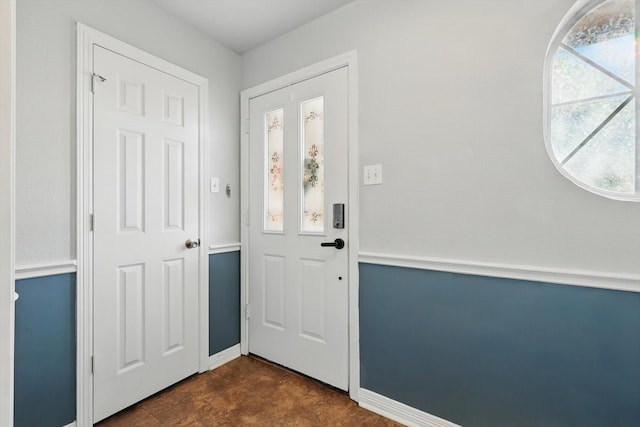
(247, 311)
(95, 76)
(92, 364)
(92, 222)
(248, 129)
(246, 218)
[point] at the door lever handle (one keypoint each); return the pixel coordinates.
(338, 244)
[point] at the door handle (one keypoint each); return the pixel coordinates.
(338, 244)
(192, 244)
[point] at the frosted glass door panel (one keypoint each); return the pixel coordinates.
(274, 184)
(312, 117)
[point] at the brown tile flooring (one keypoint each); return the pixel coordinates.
(247, 392)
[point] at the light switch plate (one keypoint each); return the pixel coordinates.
(372, 175)
(215, 185)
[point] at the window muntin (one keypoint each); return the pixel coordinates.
(592, 97)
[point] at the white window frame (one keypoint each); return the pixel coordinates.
(573, 16)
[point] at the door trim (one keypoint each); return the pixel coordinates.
(7, 204)
(348, 60)
(86, 38)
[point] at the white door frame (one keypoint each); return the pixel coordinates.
(7, 202)
(87, 37)
(349, 60)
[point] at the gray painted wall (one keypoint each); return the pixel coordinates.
(46, 125)
(450, 98)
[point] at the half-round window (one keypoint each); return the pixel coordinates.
(592, 99)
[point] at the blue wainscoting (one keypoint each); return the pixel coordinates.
(481, 351)
(224, 301)
(45, 347)
(45, 351)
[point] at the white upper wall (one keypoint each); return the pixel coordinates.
(451, 106)
(46, 125)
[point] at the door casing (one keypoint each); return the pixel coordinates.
(7, 202)
(86, 39)
(348, 60)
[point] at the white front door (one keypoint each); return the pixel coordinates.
(298, 289)
(145, 198)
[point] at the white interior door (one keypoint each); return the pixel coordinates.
(145, 200)
(298, 289)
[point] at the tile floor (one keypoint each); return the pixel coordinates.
(247, 392)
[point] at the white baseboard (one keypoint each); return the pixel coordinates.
(224, 356)
(399, 412)
(73, 424)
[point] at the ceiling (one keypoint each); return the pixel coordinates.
(242, 25)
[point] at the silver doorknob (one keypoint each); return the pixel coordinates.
(192, 244)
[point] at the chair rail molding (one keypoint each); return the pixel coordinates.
(31, 271)
(571, 277)
(227, 247)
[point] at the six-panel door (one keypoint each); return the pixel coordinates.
(145, 162)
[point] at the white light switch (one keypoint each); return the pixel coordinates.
(372, 174)
(215, 185)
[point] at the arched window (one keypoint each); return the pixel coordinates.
(591, 98)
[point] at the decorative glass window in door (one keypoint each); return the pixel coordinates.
(274, 162)
(592, 99)
(312, 124)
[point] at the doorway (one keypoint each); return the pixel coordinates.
(300, 242)
(142, 270)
